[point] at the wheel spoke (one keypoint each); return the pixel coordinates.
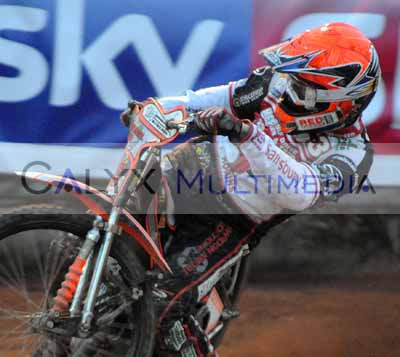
(22, 293)
(15, 281)
(29, 271)
(13, 314)
(11, 339)
(39, 263)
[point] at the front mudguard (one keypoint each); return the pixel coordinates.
(80, 191)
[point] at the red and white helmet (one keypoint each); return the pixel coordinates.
(323, 78)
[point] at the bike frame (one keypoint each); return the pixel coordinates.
(136, 231)
(150, 128)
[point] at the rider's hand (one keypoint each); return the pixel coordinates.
(219, 121)
(132, 106)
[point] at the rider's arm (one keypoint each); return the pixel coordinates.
(292, 184)
(299, 185)
(242, 98)
(202, 99)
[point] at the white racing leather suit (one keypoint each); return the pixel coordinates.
(324, 165)
(267, 175)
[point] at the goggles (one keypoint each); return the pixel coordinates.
(305, 95)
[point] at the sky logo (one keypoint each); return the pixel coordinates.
(74, 63)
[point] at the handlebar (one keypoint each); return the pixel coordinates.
(225, 123)
(184, 127)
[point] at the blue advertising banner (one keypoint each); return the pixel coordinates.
(68, 67)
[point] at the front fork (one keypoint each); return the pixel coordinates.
(75, 284)
(104, 252)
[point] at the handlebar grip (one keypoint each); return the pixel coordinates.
(226, 122)
(132, 103)
(183, 127)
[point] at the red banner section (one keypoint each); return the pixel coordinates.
(275, 21)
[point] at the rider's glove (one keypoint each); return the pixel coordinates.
(219, 121)
(132, 106)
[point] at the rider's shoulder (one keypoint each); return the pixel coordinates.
(248, 93)
(259, 77)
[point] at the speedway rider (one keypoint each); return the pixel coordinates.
(299, 116)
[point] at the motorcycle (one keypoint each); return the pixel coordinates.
(101, 283)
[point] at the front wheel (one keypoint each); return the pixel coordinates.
(37, 245)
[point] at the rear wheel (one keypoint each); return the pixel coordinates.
(37, 245)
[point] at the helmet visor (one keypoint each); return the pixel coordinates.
(304, 94)
(301, 94)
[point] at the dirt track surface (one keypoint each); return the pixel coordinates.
(357, 317)
(294, 316)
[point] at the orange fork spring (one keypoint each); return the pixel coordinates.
(69, 285)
